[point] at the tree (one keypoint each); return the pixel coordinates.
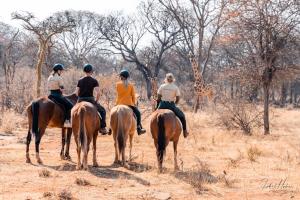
(44, 31)
(83, 39)
(200, 21)
(125, 33)
(265, 28)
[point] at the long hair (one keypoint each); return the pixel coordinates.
(125, 82)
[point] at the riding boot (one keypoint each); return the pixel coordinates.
(140, 130)
(103, 131)
(185, 133)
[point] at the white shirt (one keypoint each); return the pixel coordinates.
(55, 82)
(168, 92)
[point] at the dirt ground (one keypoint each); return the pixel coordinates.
(214, 164)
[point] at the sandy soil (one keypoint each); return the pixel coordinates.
(214, 164)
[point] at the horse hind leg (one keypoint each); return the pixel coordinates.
(116, 161)
(28, 140)
(63, 142)
(68, 142)
(37, 145)
(175, 155)
(95, 164)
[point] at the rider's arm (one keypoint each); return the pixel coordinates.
(177, 99)
(97, 91)
(133, 95)
(177, 95)
(77, 91)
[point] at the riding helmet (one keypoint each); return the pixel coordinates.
(88, 68)
(57, 67)
(124, 73)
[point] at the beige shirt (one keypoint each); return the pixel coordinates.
(55, 82)
(168, 92)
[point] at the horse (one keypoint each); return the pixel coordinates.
(85, 126)
(43, 113)
(123, 124)
(165, 127)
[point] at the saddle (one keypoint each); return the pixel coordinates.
(57, 103)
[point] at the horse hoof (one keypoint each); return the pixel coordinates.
(28, 160)
(40, 162)
(126, 166)
(85, 168)
(95, 165)
(78, 167)
(67, 157)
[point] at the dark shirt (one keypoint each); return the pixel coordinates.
(86, 86)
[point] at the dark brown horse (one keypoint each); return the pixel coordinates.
(123, 125)
(165, 127)
(85, 125)
(43, 113)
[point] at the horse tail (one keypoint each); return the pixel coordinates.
(161, 138)
(35, 107)
(120, 134)
(82, 131)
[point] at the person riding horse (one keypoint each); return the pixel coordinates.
(85, 89)
(55, 85)
(126, 96)
(168, 96)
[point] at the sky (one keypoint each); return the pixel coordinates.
(44, 8)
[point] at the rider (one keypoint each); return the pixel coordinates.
(126, 96)
(55, 85)
(85, 89)
(167, 98)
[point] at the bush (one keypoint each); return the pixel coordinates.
(239, 114)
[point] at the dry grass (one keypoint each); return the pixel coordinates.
(48, 194)
(253, 153)
(214, 164)
(10, 121)
(82, 182)
(44, 173)
(65, 195)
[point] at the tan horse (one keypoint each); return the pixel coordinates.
(165, 127)
(123, 125)
(43, 113)
(85, 125)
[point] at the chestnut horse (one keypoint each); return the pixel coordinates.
(43, 113)
(165, 127)
(85, 125)
(123, 125)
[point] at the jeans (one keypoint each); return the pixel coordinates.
(176, 110)
(59, 98)
(137, 113)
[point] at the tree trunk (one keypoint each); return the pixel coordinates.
(41, 58)
(283, 94)
(266, 89)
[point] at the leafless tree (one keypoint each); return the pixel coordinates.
(200, 21)
(125, 33)
(44, 31)
(264, 28)
(83, 39)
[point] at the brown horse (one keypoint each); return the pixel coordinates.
(43, 113)
(123, 124)
(165, 127)
(85, 125)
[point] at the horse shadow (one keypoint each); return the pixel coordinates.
(107, 172)
(196, 178)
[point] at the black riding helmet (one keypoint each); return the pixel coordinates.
(88, 68)
(57, 67)
(124, 73)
